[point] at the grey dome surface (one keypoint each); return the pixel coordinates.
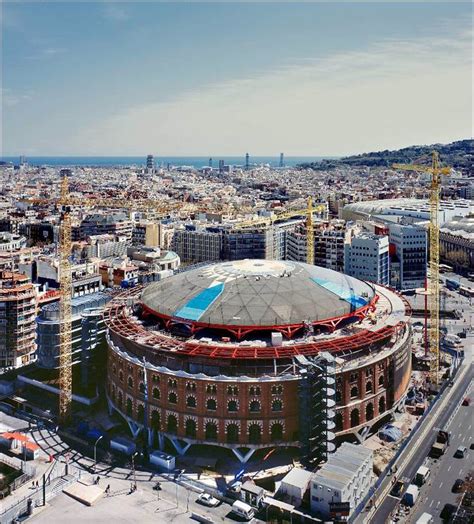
(256, 293)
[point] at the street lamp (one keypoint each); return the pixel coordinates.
(133, 469)
(95, 450)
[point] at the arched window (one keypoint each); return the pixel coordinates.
(255, 433)
(339, 421)
(232, 390)
(211, 431)
(211, 388)
(355, 419)
(140, 413)
(211, 404)
(172, 397)
(156, 393)
(232, 405)
(368, 387)
(277, 405)
(276, 432)
(129, 407)
(381, 405)
(338, 396)
(155, 378)
(232, 433)
(258, 391)
(190, 386)
(155, 420)
(354, 391)
(369, 411)
(190, 427)
(130, 382)
(141, 388)
(114, 369)
(172, 383)
(172, 424)
(254, 406)
(381, 381)
(191, 402)
(120, 400)
(121, 376)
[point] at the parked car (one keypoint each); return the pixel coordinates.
(207, 500)
(457, 486)
(447, 511)
(460, 452)
(397, 489)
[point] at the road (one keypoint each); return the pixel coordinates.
(415, 453)
(174, 503)
(447, 469)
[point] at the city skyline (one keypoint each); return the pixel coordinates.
(125, 79)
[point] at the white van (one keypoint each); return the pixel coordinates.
(422, 475)
(243, 510)
(425, 518)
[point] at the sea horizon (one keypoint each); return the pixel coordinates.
(160, 161)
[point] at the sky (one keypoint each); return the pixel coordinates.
(222, 78)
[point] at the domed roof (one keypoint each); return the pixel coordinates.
(256, 293)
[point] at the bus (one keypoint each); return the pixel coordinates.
(466, 291)
(452, 284)
(444, 268)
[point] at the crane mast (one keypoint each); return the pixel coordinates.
(433, 268)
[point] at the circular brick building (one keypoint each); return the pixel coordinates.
(213, 355)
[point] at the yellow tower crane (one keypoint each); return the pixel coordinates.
(433, 274)
(308, 212)
(65, 202)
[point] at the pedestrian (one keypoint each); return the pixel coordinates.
(97, 480)
(107, 489)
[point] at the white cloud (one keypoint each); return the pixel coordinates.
(10, 98)
(115, 12)
(46, 52)
(396, 93)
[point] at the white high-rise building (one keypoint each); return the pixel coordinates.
(366, 256)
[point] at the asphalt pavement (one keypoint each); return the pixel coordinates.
(444, 471)
(416, 452)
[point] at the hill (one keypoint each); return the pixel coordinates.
(459, 155)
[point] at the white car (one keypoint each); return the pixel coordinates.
(208, 500)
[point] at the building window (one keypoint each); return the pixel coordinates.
(140, 413)
(381, 381)
(129, 407)
(369, 411)
(255, 390)
(141, 388)
(172, 424)
(254, 406)
(211, 388)
(354, 377)
(155, 378)
(190, 386)
(232, 433)
(191, 402)
(277, 405)
(255, 433)
(211, 431)
(368, 387)
(190, 428)
(172, 383)
(381, 405)
(156, 393)
(277, 390)
(155, 420)
(130, 382)
(339, 421)
(211, 404)
(355, 419)
(232, 406)
(232, 390)
(369, 372)
(114, 369)
(276, 432)
(121, 376)
(172, 397)
(354, 391)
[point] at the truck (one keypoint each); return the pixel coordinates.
(452, 284)
(422, 475)
(441, 444)
(411, 494)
